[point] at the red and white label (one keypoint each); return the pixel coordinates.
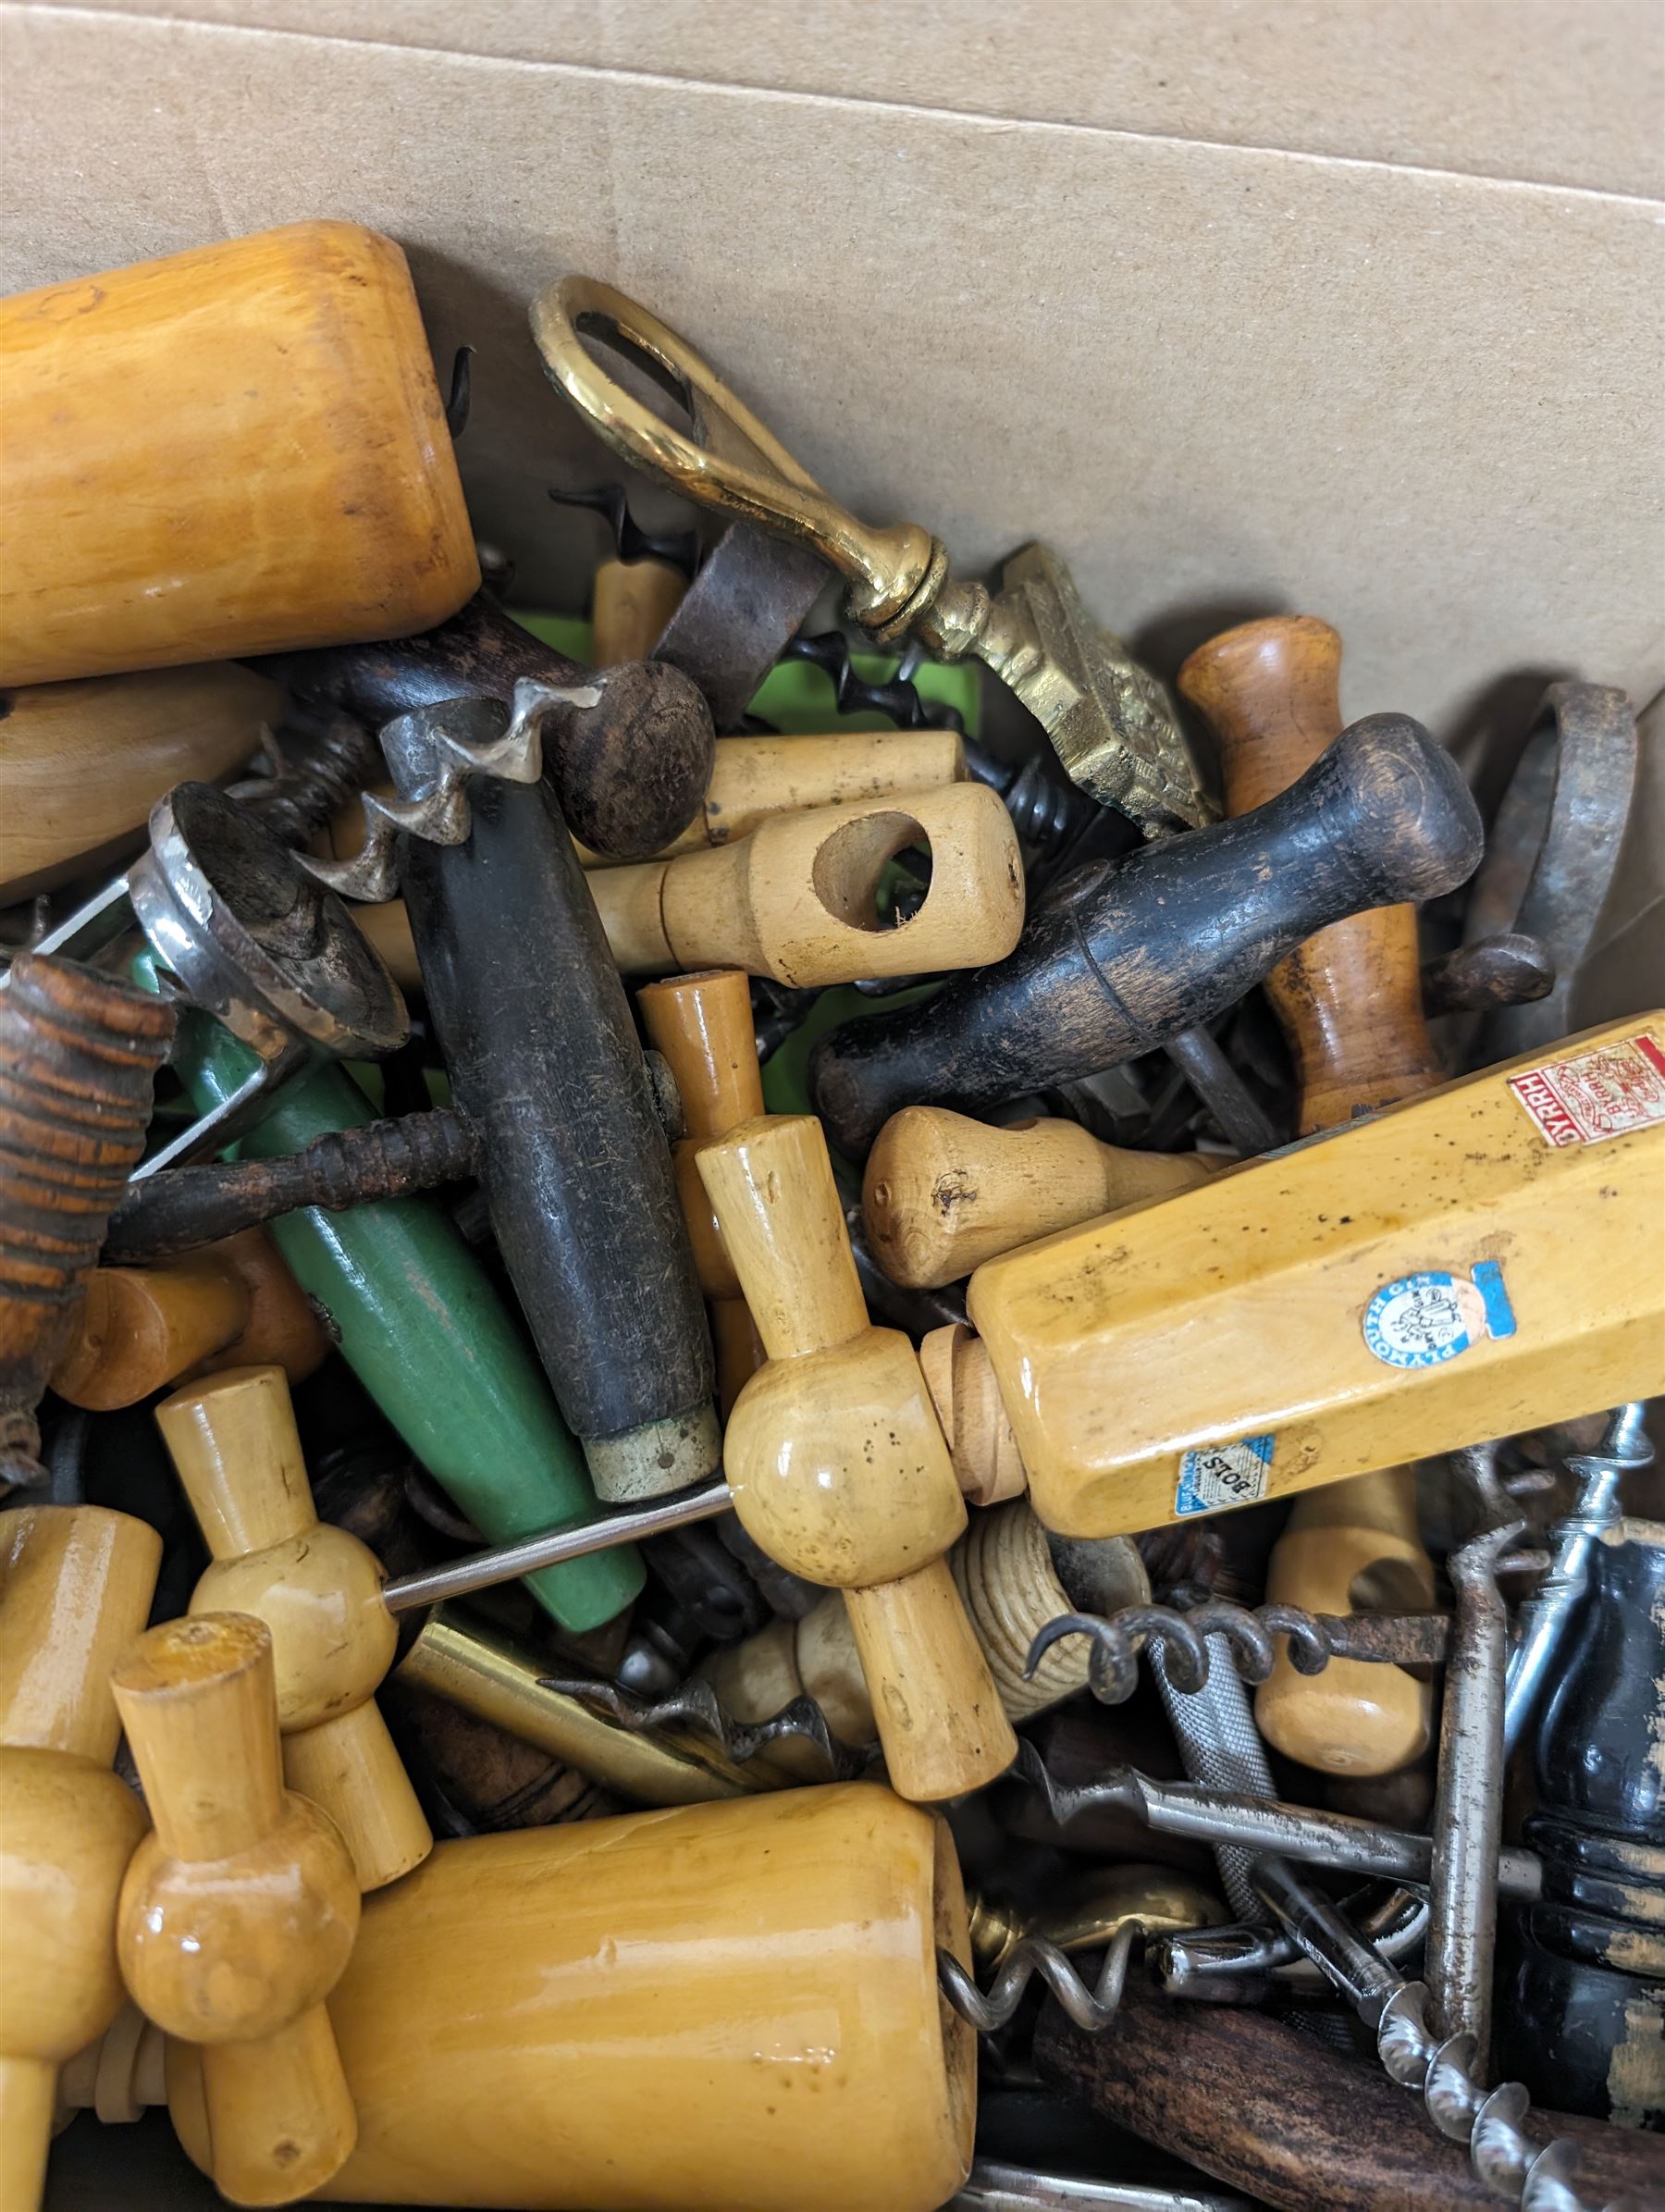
(1597, 1094)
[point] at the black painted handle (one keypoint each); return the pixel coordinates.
(629, 774)
(1122, 957)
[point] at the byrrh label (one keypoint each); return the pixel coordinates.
(1597, 1094)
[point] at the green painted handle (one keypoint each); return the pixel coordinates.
(425, 1331)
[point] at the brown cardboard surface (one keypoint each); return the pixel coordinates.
(1222, 381)
(1564, 92)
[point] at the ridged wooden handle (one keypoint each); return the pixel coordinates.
(987, 1464)
(318, 1589)
(1349, 997)
(941, 1192)
(238, 1916)
(797, 899)
(258, 453)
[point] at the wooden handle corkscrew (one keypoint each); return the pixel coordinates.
(231, 1304)
(1349, 1000)
(702, 1024)
(838, 1467)
(258, 452)
(318, 1589)
(941, 1192)
(76, 1583)
(797, 899)
(238, 1915)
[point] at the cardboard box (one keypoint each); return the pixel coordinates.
(1249, 306)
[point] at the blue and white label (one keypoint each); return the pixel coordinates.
(1424, 1320)
(1223, 1475)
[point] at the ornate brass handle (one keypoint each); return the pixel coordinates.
(1110, 722)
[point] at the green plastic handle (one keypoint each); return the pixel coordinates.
(425, 1332)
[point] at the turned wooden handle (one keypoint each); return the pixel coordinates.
(1349, 997)
(1349, 1547)
(1118, 957)
(75, 1587)
(240, 1957)
(82, 764)
(941, 1722)
(797, 899)
(231, 1304)
(987, 1464)
(258, 453)
(771, 1185)
(318, 1588)
(633, 601)
(941, 1193)
(755, 777)
(838, 1467)
(702, 1024)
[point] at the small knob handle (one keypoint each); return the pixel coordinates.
(771, 1184)
(941, 1192)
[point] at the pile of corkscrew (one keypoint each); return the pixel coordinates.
(800, 1406)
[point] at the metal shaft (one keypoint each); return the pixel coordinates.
(1468, 1802)
(1545, 1616)
(1246, 1825)
(480, 1570)
(995, 2187)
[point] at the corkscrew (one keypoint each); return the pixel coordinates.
(433, 756)
(1394, 1639)
(696, 1707)
(299, 779)
(1092, 2009)
(676, 549)
(1111, 722)
(1489, 2122)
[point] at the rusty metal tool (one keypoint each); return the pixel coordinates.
(1551, 852)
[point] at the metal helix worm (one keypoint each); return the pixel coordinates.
(854, 694)
(1404, 1639)
(1092, 2009)
(696, 1708)
(441, 813)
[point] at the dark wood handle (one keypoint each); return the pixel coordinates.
(1121, 957)
(1271, 2111)
(630, 774)
(545, 1063)
(1350, 999)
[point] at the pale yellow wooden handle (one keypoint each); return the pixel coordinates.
(797, 899)
(633, 601)
(75, 1587)
(239, 1914)
(237, 449)
(1352, 1547)
(771, 1184)
(234, 1442)
(941, 1192)
(82, 764)
(939, 1714)
(987, 1464)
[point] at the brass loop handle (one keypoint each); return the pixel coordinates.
(732, 463)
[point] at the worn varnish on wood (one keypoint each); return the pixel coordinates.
(1350, 1001)
(837, 1465)
(240, 449)
(1217, 1346)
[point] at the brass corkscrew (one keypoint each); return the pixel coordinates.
(1111, 721)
